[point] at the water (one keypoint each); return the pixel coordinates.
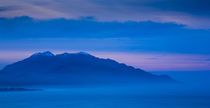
(105, 97)
(193, 93)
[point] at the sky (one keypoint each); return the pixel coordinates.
(154, 35)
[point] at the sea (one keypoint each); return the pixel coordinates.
(186, 94)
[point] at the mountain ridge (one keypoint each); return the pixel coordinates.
(73, 68)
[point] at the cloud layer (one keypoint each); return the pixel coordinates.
(86, 33)
(193, 13)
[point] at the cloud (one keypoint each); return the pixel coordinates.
(26, 27)
(28, 8)
(195, 7)
(162, 61)
(87, 33)
(4, 8)
(195, 16)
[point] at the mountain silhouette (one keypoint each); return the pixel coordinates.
(74, 69)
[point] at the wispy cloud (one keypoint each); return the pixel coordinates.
(195, 16)
(7, 8)
(160, 61)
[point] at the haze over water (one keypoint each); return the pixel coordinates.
(187, 94)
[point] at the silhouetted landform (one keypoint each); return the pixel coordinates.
(74, 69)
(18, 89)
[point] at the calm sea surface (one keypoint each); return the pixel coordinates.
(193, 93)
(105, 98)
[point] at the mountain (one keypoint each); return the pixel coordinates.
(73, 69)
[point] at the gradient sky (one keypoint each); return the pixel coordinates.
(155, 35)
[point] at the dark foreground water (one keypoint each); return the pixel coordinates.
(107, 97)
(194, 92)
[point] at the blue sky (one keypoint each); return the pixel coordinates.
(173, 33)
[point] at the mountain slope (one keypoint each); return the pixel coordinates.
(73, 69)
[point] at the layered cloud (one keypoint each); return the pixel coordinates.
(193, 13)
(86, 33)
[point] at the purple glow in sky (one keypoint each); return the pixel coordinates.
(155, 35)
(146, 61)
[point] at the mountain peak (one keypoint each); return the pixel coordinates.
(79, 53)
(45, 68)
(83, 53)
(46, 53)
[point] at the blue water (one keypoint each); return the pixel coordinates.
(193, 93)
(105, 97)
